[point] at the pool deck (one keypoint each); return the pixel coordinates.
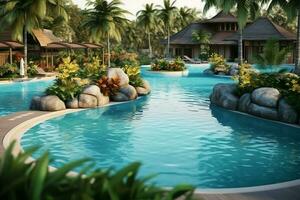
(286, 192)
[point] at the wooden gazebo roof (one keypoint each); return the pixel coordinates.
(10, 44)
(264, 29)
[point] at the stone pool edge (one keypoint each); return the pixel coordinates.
(16, 132)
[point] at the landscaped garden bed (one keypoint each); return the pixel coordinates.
(173, 67)
(272, 96)
(92, 84)
(218, 66)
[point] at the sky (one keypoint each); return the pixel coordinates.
(134, 6)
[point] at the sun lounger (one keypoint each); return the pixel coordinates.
(41, 72)
(191, 60)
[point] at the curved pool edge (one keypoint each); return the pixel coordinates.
(29, 80)
(16, 133)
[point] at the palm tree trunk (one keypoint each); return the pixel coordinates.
(108, 50)
(149, 42)
(297, 63)
(25, 50)
(241, 47)
(168, 46)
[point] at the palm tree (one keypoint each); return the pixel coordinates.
(292, 9)
(186, 16)
(147, 18)
(245, 8)
(167, 14)
(105, 19)
(23, 17)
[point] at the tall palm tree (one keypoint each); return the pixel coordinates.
(186, 16)
(105, 20)
(292, 9)
(167, 14)
(147, 18)
(245, 8)
(23, 17)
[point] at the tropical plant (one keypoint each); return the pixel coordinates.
(292, 9)
(23, 17)
(218, 64)
(9, 70)
(147, 19)
(92, 69)
(134, 75)
(203, 38)
(165, 65)
(33, 180)
(122, 58)
(272, 55)
(245, 9)
(168, 13)
(67, 84)
(105, 20)
(186, 16)
(109, 86)
(32, 69)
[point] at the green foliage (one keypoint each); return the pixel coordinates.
(165, 65)
(32, 69)
(9, 70)
(272, 55)
(144, 59)
(33, 180)
(134, 75)
(92, 69)
(287, 83)
(120, 58)
(218, 63)
(68, 84)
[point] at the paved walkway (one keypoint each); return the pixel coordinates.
(291, 193)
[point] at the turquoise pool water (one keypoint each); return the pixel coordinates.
(17, 96)
(175, 133)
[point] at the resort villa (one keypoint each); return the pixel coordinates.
(223, 29)
(93, 118)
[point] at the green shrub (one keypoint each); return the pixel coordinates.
(165, 65)
(68, 84)
(92, 69)
(144, 59)
(218, 64)
(9, 70)
(134, 75)
(122, 58)
(20, 179)
(287, 83)
(32, 69)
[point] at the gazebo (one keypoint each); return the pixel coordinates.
(7, 48)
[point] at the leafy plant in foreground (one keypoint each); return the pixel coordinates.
(32, 180)
(108, 86)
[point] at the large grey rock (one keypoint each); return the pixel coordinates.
(233, 71)
(223, 95)
(87, 101)
(144, 90)
(118, 73)
(119, 97)
(103, 100)
(129, 91)
(264, 112)
(287, 113)
(244, 102)
(35, 103)
(73, 103)
(266, 96)
(51, 103)
(93, 90)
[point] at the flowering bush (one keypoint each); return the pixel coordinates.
(218, 64)
(93, 69)
(287, 83)
(108, 86)
(68, 84)
(9, 70)
(134, 75)
(165, 65)
(32, 68)
(122, 58)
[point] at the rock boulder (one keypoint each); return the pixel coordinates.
(262, 111)
(87, 101)
(223, 95)
(244, 102)
(51, 103)
(119, 74)
(287, 113)
(266, 96)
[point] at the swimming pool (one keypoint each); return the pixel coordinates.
(16, 97)
(175, 133)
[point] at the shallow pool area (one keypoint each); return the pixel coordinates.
(177, 135)
(17, 96)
